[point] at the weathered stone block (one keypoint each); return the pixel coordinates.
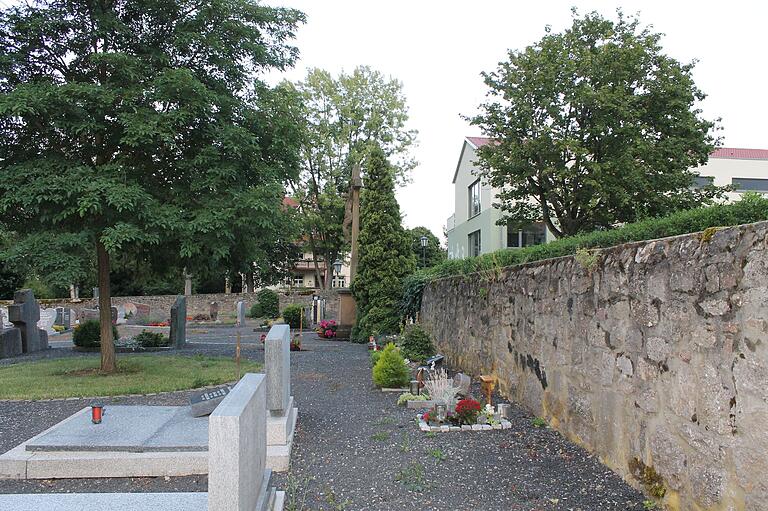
(277, 362)
(178, 334)
(10, 342)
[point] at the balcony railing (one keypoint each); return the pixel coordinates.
(450, 223)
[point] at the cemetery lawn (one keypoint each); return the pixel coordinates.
(136, 374)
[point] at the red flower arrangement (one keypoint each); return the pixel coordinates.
(467, 411)
(327, 329)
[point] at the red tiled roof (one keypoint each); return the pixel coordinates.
(478, 141)
(720, 152)
(288, 201)
(740, 154)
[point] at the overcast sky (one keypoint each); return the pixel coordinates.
(437, 49)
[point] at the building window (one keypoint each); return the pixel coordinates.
(750, 184)
(339, 281)
(474, 199)
(474, 244)
(298, 280)
(532, 234)
(702, 181)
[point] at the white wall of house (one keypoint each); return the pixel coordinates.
(744, 173)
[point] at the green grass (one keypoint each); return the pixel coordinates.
(137, 374)
(380, 436)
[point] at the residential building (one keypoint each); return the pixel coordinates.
(303, 274)
(473, 230)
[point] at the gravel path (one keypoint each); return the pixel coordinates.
(356, 450)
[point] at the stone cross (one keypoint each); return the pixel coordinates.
(24, 314)
(178, 334)
(277, 361)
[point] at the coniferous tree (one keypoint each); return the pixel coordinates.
(386, 257)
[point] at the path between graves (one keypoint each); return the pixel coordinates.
(356, 450)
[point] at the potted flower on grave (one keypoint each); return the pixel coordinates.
(296, 343)
(467, 411)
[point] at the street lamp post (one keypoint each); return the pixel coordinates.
(424, 240)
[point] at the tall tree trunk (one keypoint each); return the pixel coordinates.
(249, 282)
(108, 363)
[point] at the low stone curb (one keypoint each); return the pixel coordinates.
(504, 424)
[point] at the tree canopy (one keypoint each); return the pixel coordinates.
(427, 256)
(592, 127)
(385, 253)
(138, 122)
(341, 117)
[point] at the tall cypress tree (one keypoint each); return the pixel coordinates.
(385, 255)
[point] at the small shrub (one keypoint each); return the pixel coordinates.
(296, 343)
(292, 315)
(87, 334)
(375, 357)
(407, 396)
(148, 339)
(538, 422)
(390, 370)
(417, 345)
(267, 304)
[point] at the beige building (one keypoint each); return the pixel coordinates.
(304, 275)
(472, 228)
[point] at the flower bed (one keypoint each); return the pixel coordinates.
(468, 415)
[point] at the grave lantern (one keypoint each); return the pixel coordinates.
(97, 411)
(442, 412)
(415, 387)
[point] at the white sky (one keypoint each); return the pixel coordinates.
(437, 49)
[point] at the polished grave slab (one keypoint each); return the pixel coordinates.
(110, 501)
(127, 429)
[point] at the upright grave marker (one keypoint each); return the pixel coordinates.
(281, 414)
(24, 314)
(178, 334)
(241, 313)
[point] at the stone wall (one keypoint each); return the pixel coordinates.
(652, 355)
(160, 305)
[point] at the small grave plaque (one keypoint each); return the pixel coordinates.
(204, 403)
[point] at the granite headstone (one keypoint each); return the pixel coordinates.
(277, 362)
(214, 311)
(178, 334)
(24, 314)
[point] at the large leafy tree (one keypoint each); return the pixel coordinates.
(427, 256)
(386, 256)
(136, 122)
(342, 116)
(594, 126)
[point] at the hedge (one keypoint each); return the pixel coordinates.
(751, 208)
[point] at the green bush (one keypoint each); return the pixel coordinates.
(407, 396)
(751, 208)
(86, 334)
(390, 370)
(417, 345)
(375, 357)
(292, 315)
(148, 339)
(267, 305)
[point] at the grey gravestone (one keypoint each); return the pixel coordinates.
(64, 317)
(113, 314)
(277, 360)
(462, 382)
(10, 342)
(214, 311)
(178, 335)
(241, 313)
(24, 314)
(90, 315)
(142, 311)
(204, 403)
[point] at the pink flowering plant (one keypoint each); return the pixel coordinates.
(327, 329)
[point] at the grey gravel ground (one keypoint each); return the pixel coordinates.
(356, 450)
